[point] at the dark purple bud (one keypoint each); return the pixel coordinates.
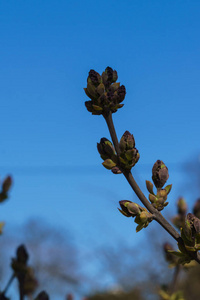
(112, 75)
(159, 174)
(22, 254)
(196, 209)
(6, 184)
(194, 223)
(94, 77)
(127, 141)
(121, 92)
(105, 148)
(42, 296)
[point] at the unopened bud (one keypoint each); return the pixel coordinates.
(22, 254)
(196, 209)
(159, 173)
(94, 77)
(42, 296)
(127, 141)
(116, 170)
(6, 184)
(129, 208)
(182, 206)
(105, 148)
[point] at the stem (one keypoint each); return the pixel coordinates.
(8, 284)
(112, 131)
(173, 284)
(156, 214)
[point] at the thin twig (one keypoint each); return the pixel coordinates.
(8, 284)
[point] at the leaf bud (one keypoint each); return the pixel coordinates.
(182, 206)
(159, 174)
(149, 186)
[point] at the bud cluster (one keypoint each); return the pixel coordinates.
(104, 92)
(179, 219)
(131, 209)
(159, 177)
(23, 272)
(190, 233)
(128, 156)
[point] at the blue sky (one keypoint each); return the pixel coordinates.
(48, 139)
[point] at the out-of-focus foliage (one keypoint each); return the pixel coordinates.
(118, 295)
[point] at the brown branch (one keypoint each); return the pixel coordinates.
(156, 214)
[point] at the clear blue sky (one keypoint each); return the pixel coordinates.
(48, 139)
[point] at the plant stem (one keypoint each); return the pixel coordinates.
(111, 128)
(156, 214)
(173, 284)
(8, 284)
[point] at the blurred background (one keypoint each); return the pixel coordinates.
(63, 203)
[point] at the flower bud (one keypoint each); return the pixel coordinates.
(190, 233)
(105, 148)
(42, 296)
(109, 76)
(6, 184)
(127, 141)
(22, 254)
(196, 209)
(159, 174)
(105, 93)
(94, 78)
(129, 208)
(116, 170)
(129, 155)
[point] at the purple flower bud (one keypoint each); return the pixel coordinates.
(159, 173)
(94, 77)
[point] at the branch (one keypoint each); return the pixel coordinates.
(156, 214)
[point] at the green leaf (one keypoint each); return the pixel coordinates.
(108, 164)
(168, 188)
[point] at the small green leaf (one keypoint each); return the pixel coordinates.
(108, 164)
(168, 188)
